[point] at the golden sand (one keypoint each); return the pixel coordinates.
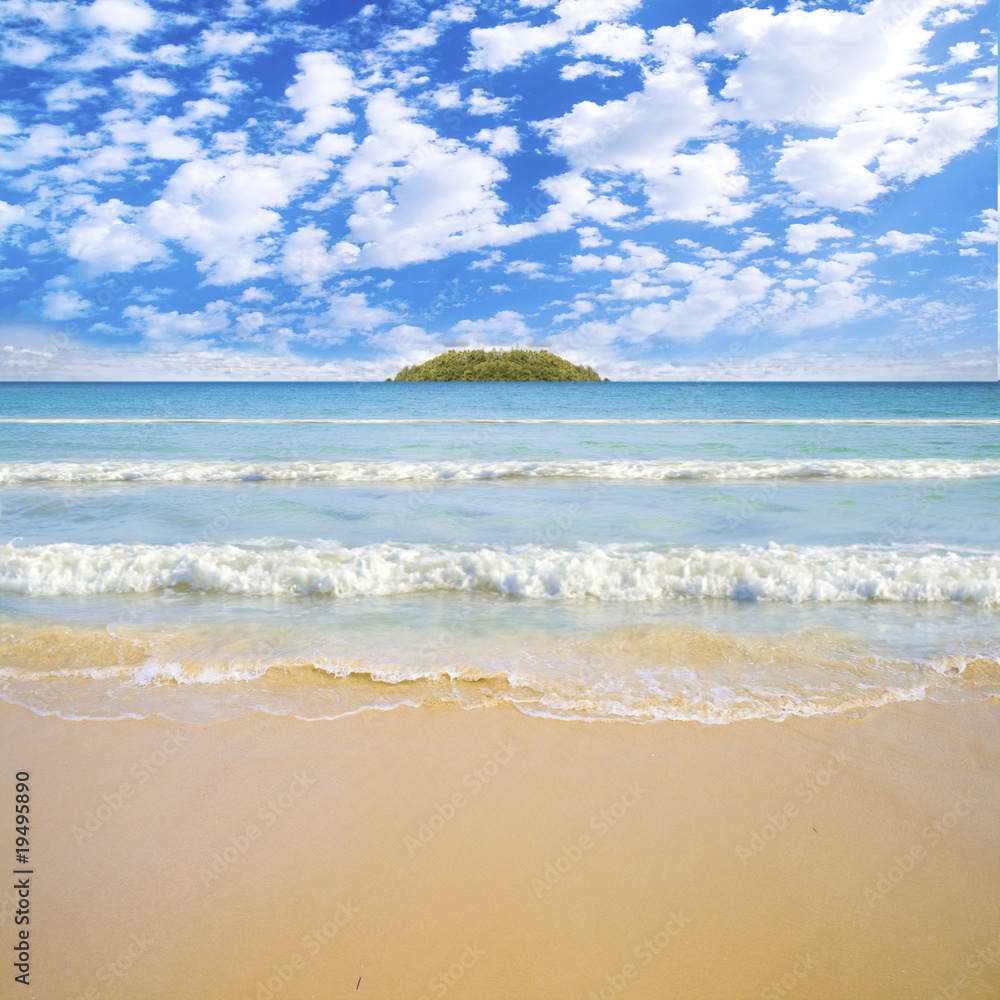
(485, 854)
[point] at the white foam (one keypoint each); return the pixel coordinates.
(770, 421)
(608, 573)
(385, 472)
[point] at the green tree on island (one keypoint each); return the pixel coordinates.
(513, 365)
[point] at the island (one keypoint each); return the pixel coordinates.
(512, 365)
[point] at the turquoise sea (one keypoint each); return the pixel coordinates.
(595, 551)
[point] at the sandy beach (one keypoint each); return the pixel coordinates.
(484, 854)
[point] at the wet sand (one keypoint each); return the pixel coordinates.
(486, 854)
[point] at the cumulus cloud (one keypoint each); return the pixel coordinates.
(850, 72)
(896, 242)
(500, 141)
(321, 90)
(988, 231)
(805, 237)
(509, 44)
(417, 195)
(64, 303)
(503, 328)
(127, 17)
(481, 103)
(105, 239)
(639, 166)
(645, 135)
(224, 210)
(68, 95)
(138, 83)
(573, 71)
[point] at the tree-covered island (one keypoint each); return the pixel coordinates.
(513, 365)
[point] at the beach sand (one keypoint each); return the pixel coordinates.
(483, 853)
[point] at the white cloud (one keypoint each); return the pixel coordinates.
(172, 55)
(833, 172)
(699, 187)
(418, 196)
(229, 43)
(139, 84)
(105, 239)
(127, 17)
(345, 315)
(508, 44)
(897, 242)
(529, 268)
(645, 135)
(64, 303)
(841, 266)
(618, 42)
(804, 237)
(941, 136)
(42, 142)
(158, 137)
(500, 141)
(409, 39)
(322, 87)
(223, 210)
(168, 329)
(987, 233)
(590, 236)
(753, 243)
(819, 67)
(963, 52)
(573, 71)
(13, 215)
(502, 329)
(716, 293)
(307, 261)
(68, 95)
(224, 86)
(481, 103)
(26, 52)
(851, 72)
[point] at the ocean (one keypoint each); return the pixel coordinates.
(631, 552)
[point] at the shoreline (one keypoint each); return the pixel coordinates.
(484, 853)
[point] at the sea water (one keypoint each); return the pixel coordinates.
(593, 551)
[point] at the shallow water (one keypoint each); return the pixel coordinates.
(620, 570)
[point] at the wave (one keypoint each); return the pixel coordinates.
(766, 421)
(387, 472)
(635, 674)
(613, 573)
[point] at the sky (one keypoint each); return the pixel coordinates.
(325, 189)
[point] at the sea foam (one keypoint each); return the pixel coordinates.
(388, 472)
(607, 573)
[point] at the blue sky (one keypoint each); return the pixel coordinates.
(287, 189)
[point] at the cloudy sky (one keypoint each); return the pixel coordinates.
(272, 189)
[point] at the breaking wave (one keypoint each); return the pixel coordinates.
(388, 472)
(614, 573)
